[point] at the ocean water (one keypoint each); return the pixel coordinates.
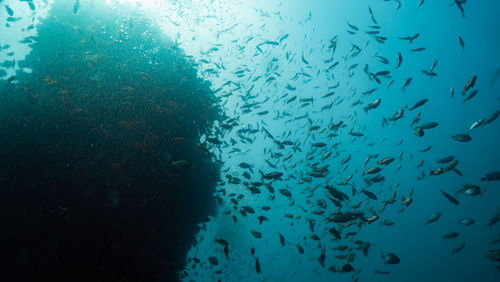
(209, 140)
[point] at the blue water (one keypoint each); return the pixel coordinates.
(244, 69)
(424, 254)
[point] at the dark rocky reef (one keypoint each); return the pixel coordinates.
(102, 176)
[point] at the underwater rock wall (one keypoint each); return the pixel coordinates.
(102, 174)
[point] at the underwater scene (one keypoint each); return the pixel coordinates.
(249, 140)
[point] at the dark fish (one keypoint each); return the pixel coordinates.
(470, 84)
(285, 193)
(428, 125)
(372, 170)
(272, 175)
(385, 161)
(369, 194)
(495, 218)
(470, 96)
(460, 7)
(469, 189)
(420, 49)
(300, 249)
(304, 59)
(256, 234)
(390, 258)
(406, 83)
(434, 217)
(213, 260)
(355, 134)
(458, 248)
(282, 239)
(32, 6)
(492, 176)
(347, 268)
(426, 149)
(461, 41)
(445, 160)
(9, 11)
(322, 257)
(461, 137)
(222, 242)
(257, 265)
(451, 235)
(467, 221)
(419, 103)
(353, 26)
(246, 166)
(492, 118)
(400, 60)
(335, 233)
(449, 197)
(373, 105)
(410, 38)
(76, 6)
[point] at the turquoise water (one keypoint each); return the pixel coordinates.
(284, 74)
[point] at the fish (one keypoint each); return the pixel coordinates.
(450, 198)
(322, 257)
(373, 105)
(461, 42)
(460, 247)
(461, 137)
(458, 3)
(386, 161)
(492, 176)
(446, 159)
(372, 170)
(399, 60)
(397, 115)
(426, 149)
(353, 26)
(347, 268)
(256, 234)
(275, 175)
(419, 49)
(410, 38)
(76, 7)
(469, 189)
(470, 84)
(428, 125)
(495, 218)
(369, 194)
(213, 260)
(406, 83)
(356, 134)
(282, 239)
(9, 11)
(418, 104)
(451, 235)
(470, 96)
(492, 118)
(467, 221)
(384, 272)
(433, 218)
(300, 249)
(390, 258)
(495, 240)
(257, 265)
